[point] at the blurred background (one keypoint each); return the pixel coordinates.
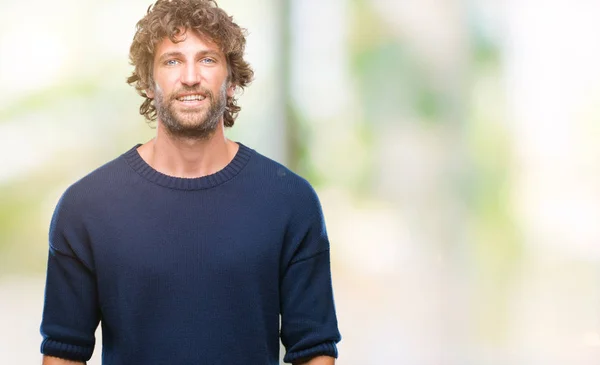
(453, 145)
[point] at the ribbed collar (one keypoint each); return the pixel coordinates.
(236, 165)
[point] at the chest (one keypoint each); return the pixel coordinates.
(187, 245)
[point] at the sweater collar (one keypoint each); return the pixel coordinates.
(236, 165)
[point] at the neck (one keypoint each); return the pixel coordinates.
(188, 157)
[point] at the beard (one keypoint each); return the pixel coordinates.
(195, 123)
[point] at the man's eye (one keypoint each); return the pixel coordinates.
(171, 62)
(207, 60)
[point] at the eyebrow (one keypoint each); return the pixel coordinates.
(178, 54)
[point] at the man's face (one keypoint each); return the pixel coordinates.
(190, 85)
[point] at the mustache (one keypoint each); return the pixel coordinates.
(191, 90)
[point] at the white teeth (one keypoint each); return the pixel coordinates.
(191, 98)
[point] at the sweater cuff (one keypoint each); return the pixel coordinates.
(66, 351)
(323, 349)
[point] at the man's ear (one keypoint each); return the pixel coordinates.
(149, 93)
(231, 90)
(150, 89)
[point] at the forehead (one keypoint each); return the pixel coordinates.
(189, 41)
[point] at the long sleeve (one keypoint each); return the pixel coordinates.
(309, 324)
(71, 312)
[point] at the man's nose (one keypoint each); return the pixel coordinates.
(191, 75)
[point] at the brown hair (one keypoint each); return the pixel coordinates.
(169, 18)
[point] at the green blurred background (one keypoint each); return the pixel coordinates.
(453, 145)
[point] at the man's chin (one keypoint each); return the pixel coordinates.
(190, 129)
(193, 120)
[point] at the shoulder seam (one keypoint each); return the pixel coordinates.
(74, 257)
(309, 257)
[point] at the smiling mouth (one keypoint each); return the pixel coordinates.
(194, 97)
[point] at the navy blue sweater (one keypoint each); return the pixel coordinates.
(210, 270)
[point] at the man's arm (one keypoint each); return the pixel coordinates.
(309, 330)
(319, 360)
(71, 310)
(50, 360)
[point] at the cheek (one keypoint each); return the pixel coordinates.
(166, 81)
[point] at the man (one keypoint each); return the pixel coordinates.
(190, 248)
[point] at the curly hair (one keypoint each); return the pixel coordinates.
(172, 18)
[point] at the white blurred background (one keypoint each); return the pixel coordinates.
(453, 145)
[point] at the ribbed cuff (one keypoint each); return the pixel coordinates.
(66, 351)
(325, 349)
